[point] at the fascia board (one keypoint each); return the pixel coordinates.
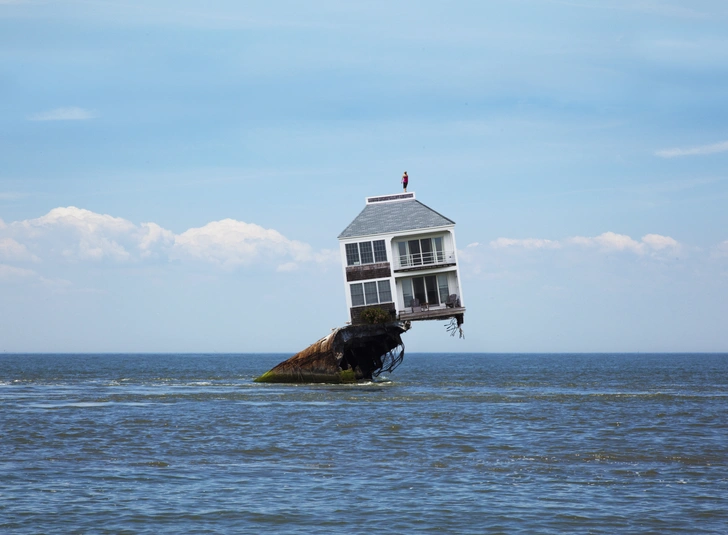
(411, 232)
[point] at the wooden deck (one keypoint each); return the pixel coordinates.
(435, 313)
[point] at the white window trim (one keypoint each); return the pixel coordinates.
(374, 254)
(379, 301)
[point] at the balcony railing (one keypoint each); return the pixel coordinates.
(420, 260)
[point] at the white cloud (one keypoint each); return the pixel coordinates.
(77, 234)
(11, 250)
(658, 243)
(693, 151)
(528, 243)
(609, 241)
(64, 114)
(10, 273)
(325, 256)
(231, 243)
(612, 242)
(606, 242)
(81, 234)
(83, 220)
(153, 236)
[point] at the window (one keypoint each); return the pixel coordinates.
(407, 292)
(428, 289)
(415, 255)
(437, 243)
(352, 254)
(367, 257)
(431, 288)
(357, 295)
(385, 293)
(370, 293)
(365, 252)
(380, 251)
(403, 260)
(442, 285)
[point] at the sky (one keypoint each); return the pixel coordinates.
(174, 174)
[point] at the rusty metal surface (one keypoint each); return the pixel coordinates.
(347, 354)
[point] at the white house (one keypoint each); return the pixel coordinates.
(400, 255)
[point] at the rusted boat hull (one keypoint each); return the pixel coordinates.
(349, 354)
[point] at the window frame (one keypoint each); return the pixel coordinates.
(381, 251)
(372, 249)
(365, 298)
(350, 254)
(425, 288)
(358, 296)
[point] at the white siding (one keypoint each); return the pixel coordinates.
(448, 235)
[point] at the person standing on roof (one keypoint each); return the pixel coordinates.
(405, 181)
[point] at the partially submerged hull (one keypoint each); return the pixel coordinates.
(347, 355)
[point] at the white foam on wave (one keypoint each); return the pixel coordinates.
(78, 405)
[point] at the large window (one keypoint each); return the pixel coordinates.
(420, 252)
(370, 293)
(365, 252)
(431, 289)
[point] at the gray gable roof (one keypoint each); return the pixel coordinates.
(391, 217)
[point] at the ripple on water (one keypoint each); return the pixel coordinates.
(461, 444)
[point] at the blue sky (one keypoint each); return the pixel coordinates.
(173, 175)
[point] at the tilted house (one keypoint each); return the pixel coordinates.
(400, 255)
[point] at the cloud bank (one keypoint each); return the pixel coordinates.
(77, 235)
(606, 242)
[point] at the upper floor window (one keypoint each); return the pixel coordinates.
(365, 252)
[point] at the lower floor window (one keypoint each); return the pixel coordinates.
(431, 289)
(357, 295)
(370, 293)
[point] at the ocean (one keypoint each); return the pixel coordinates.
(447, 443)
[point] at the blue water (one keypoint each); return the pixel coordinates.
(477, 443)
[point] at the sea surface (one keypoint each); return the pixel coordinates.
(447, 443)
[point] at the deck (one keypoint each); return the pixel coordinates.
(439, 312)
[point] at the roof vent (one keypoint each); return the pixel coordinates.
(391, 198)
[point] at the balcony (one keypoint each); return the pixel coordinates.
(428, 260)
(439, 312)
